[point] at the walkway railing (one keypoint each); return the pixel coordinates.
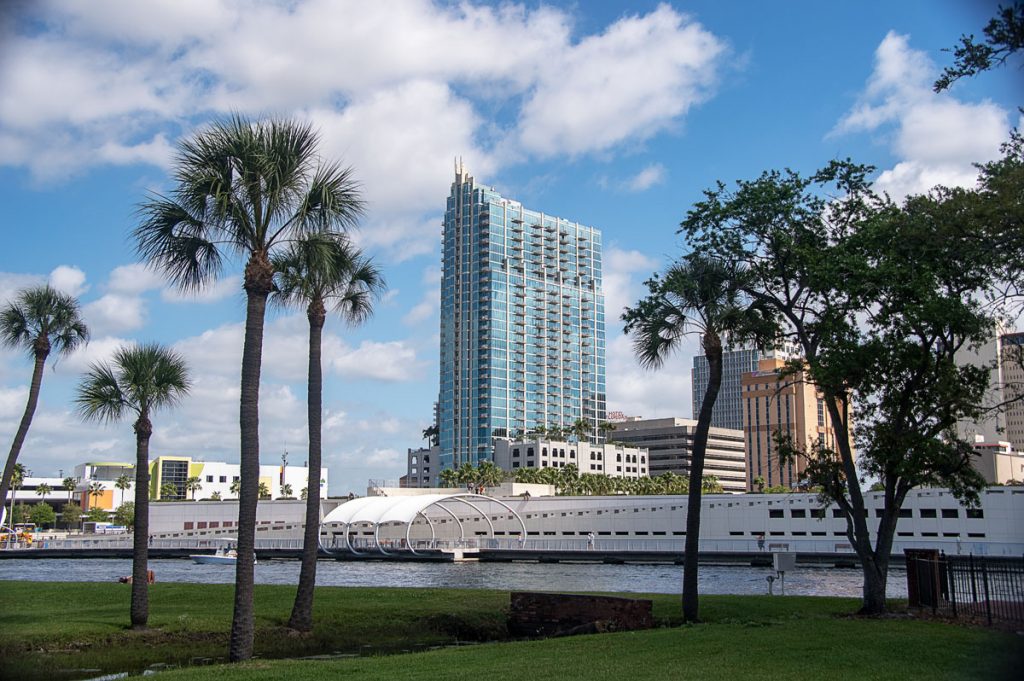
(977, 588)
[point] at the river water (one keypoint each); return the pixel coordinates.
(589, 577)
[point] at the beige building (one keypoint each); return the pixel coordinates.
(669, 442)
(790, 405)
(1011, 358)
(999, 463)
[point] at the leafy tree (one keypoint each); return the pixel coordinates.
(42, 514)
(759, 483)
(701, 295)
(71, 515)
(138, 381)
(879, 298)
(1004, 35)
(125, 515)
(123, 483)
(319, 272)
(69, 484)
(97, 515)
(39, 320)
(244, 188)
(193, 485)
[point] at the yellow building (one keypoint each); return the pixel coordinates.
(790, 405)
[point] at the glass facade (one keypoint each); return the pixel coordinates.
(522, 322)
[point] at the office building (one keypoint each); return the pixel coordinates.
(728, 410)
(669, 442)
(522, 322)
(788, 405)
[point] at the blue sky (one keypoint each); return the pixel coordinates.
(613, 114)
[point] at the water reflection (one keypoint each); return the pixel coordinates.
(714, 579)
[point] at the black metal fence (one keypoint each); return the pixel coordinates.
(978, 588)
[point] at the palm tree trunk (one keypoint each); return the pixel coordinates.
(258, 283)
(302, 611)
(140, 540)
(26, 421)
(713, 351)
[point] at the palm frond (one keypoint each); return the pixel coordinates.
(43, 311)
(99, 396)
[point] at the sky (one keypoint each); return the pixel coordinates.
(613, 114)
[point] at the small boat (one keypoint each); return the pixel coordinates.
(224, 555)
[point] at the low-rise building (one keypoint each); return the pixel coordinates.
(614, 460)
(422, 467)
(669, 442)
(999, 463)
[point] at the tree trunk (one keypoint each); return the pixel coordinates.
(713, 351)
(302, 611)
(140, 540)
(258, 283)
(42, 350)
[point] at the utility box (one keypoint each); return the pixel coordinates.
(784, 561)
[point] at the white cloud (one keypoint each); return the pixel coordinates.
(114, 313)
(99, 349)
(629, 83)
(430, 304)
(11, 283)
(223, 288)
(133, 279)
(12, 402)
(70, 280)
(383, 361)
(936, 137)
(646, 178)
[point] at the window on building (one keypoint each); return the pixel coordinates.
(975, 513)
(222, 478)
(928, 513)
(209, 478)
(950, 513)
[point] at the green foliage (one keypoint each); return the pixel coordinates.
(125, 514)
(215, 496)
(43, 489)
(71, 515)
(21, 513)
(264, 491)
(1004, 35)
(168, 491)
(97, 515)
(42, 313)
(43, 515)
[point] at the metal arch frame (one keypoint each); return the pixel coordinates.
(440, 503)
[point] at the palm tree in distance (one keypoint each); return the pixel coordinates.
(701, 296)
(95, 491)
(123, 483)
(42, 489)
(236, 485)
(318, 272)
(138, 381)
(39, 320)
(193, 485)
(244, 188)
(69, 484)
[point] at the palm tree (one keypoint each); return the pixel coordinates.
(244, 188)
(193, 485)
(39, 320)
(18, 475)
(263, 490)
(215, 496)
(318, 272)
(449, 477)
(95, 491)
(138, 381)
(696, 295)
(168, 491)
(581, 428)
(42, 489)
(286, 493)
(235, 487)
(69, 484)
(123, 482)
(431, 434)
(604, 428)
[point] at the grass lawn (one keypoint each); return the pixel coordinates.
(49, 630)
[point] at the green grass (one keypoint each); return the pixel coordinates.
(48, 629)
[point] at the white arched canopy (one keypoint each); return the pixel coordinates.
(379, 511)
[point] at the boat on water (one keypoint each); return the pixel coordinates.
(224, 555)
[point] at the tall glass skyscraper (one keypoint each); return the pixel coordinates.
(522, 322)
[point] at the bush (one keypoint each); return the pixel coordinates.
(125, 514)
(42, 514)
(71, 515)
(97, 515)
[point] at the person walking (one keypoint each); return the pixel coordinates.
(590, 541)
